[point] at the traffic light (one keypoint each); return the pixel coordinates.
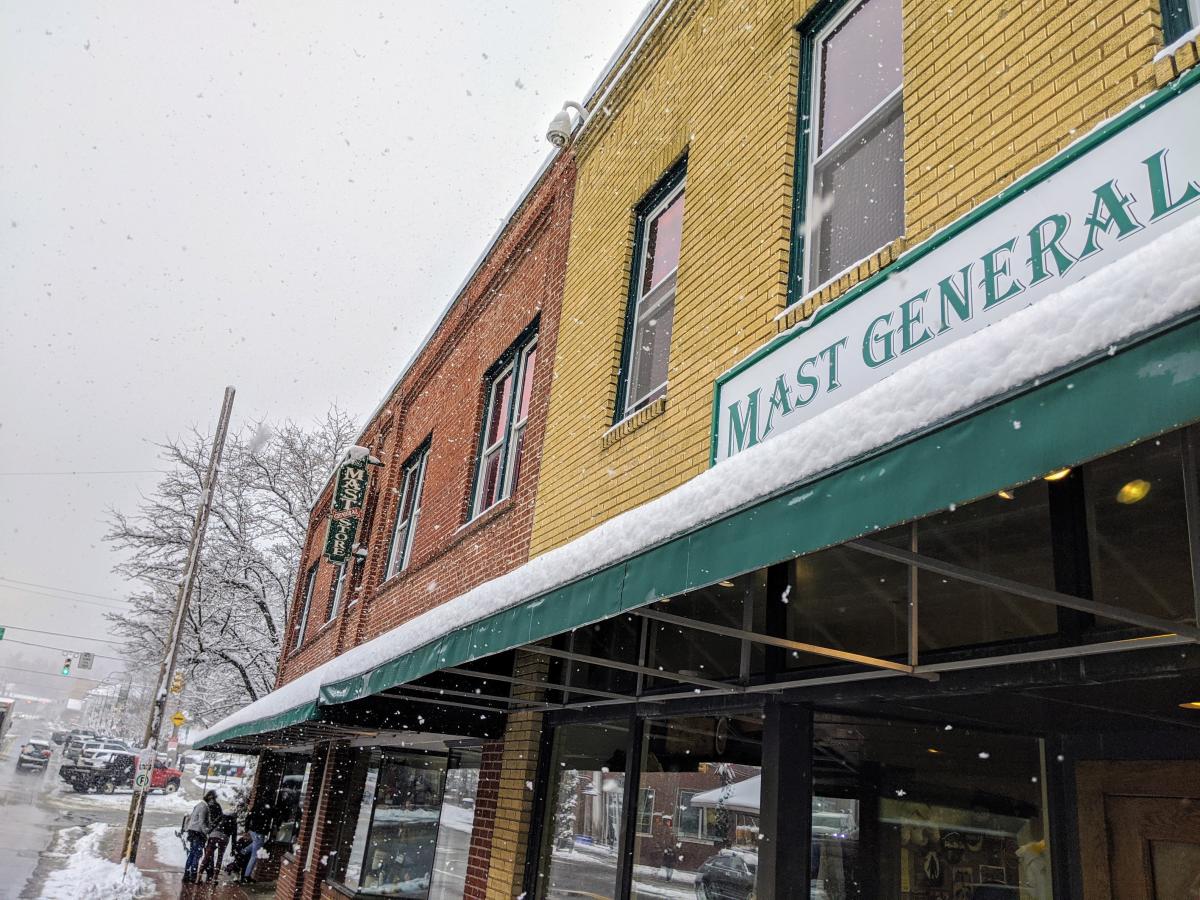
(66, 669)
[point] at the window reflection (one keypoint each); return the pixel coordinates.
(584, 811)
(1138, 531)
(904, 810)
(698, 808)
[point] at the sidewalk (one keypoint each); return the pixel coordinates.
(168, 877)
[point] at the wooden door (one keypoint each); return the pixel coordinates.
(1139, 830)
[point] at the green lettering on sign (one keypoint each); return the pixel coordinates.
(351, 489)
(339, 540)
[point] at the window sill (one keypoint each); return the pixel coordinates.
(840, 284)
(487, 515)
(632, 423)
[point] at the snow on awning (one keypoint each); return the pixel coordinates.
(1006, 415)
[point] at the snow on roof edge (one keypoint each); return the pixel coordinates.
(1148, 287)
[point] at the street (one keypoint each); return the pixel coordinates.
(36, 808)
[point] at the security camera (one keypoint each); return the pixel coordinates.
(561, 126)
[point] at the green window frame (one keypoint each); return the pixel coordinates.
(502, 431)
(655, 298)
(408, 511)
(310, 582)
(1178, 18)
(823, 22)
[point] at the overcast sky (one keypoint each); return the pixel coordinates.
(280, 196)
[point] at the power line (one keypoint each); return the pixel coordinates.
(53, 647)
(88, 472)
(51, 674)
(10, 587)
(61, 590)
(76, 637)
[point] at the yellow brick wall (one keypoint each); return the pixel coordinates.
(992, 87)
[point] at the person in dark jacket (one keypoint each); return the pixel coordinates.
(260, 820)
(223, 833)
(198, 825)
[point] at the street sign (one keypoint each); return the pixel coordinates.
(141, 781)
(1, 632)
(86, 660)
(178, 719)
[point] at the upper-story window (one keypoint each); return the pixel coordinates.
(509, 394)
(310, 581)
(338, 590)
(855, 155)
(1179, 17)
(651, 313)
(407, 512)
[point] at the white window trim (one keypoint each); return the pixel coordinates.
(814, 158)
(647, 302)
(650, 809)
(398, 557)
(506, 444)
(339, 589)
(301, 626)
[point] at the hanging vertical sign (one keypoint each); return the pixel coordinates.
(351, 489)
(339, 540)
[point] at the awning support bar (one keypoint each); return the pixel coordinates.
(816, 650)
(468, 695)
(534, 683)
(438, 701)
(1019, 589)
(637, 670)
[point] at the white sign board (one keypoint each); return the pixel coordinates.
(145, 768)
(1116, 190)
(86, 660)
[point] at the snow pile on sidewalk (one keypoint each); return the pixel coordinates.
(168, 848)
(87, 875)
(1147, 288)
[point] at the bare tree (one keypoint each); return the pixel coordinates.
(270, 479)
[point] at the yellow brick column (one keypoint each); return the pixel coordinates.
(518, 769)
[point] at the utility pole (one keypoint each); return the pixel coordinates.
(166, 669)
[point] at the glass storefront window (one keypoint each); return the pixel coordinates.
(454, 828)
(1008, 535)
(848, 600)
(1138, 530)
(618, 638)
(289, 800)
(391, 829)
(905, 809)
(584, 811)
(735, 603)
(699, 827)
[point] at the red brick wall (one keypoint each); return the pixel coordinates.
(479, 858)
(441, 399)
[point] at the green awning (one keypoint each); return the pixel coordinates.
(228, 738)
(1101, 404)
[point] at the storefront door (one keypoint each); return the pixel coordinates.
(1139, 828)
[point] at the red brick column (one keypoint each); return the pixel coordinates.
(479, 858)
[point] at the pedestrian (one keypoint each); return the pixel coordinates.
(258, 823)
(218, 837)
(199, 824)
(668, 862)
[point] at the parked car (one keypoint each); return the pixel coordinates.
(108, 770)
(75, 750)
(728, 875)
(34, 754)
(75, 742)
(60, 736)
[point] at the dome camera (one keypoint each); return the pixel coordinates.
(561, 126)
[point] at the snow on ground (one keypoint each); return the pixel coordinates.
(1148, 287)
(168, 848)
(89, 876)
